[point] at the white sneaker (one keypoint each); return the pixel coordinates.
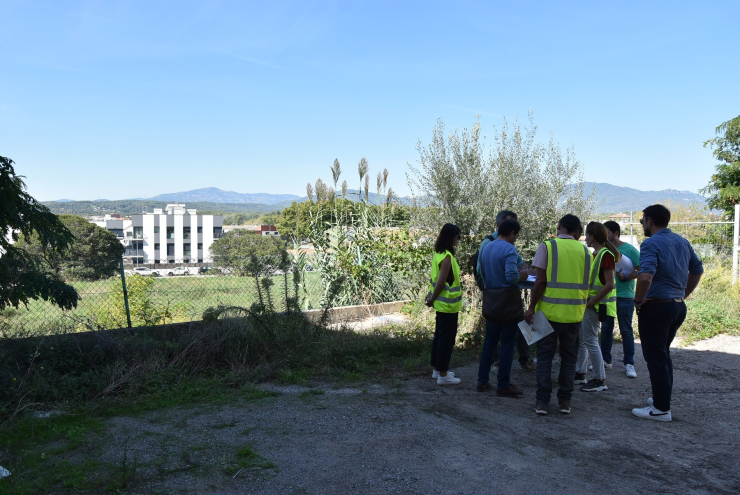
(651, 413)
(447, 380)
(629, 370)
(435, 373)
(608, 366)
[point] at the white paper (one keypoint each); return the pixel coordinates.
(532, 278)
(539, 328)
(625, 265)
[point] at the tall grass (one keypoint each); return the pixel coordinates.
(714, 308)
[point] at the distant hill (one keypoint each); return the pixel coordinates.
(215, 195)
(612, 199)
(133, 207)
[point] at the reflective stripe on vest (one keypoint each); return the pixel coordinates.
(450, 299)
(447, 287)
(595, 287)
(568, 271)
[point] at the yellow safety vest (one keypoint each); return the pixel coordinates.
(450, 299)
(596, 286)
(568, 271)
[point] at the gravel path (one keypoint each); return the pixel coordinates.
(411, 436)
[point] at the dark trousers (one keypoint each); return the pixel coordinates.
(658, 323)
(567, 334)
(521, 347)
(445, 333)
(507, 335)
(625, 311)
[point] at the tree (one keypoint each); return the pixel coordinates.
(244, 252)
(461, 181)
(22, 277)
(724, 187)
(93, 255)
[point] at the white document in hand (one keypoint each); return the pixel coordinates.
(539, 328)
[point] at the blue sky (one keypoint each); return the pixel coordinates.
(132, 99)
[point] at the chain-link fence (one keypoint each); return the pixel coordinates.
(152, 295)
(709, 239)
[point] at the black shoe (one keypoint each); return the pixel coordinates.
(540, 408)
(510, 391)
(580, 379)
(564, 407)
(484, 387)
(594, 385)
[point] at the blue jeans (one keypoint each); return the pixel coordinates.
(508, 335)
(625, 310)
(568, 334)
(659, 323)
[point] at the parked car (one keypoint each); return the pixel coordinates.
(208, 270)
(143, 271)
(180, 270)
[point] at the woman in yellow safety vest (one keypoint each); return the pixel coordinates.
(601, 305)
(445, 296)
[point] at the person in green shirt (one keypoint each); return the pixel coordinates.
(625, 304)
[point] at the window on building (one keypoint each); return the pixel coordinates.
(170, 249)
(217, 232)
(200, 245)
(156, 246)
(200, 230)
(186, 249)
(138, 232)
(128, 234)
(156, 229)
(200, 260)
(186, 232)
(156, 262)
(170, 232)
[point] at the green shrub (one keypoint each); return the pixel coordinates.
(714, 308)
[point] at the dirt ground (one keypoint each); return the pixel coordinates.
(412, 436)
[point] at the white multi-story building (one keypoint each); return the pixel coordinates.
(175, 235)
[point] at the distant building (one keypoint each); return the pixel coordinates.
(175, 235)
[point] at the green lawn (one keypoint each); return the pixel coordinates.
(187, 296)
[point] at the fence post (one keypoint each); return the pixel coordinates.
(735, 244)
(125, 294)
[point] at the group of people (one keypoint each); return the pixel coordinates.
(581, 293)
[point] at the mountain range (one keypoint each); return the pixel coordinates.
(613, 199)
(215, 195)
(610, 199)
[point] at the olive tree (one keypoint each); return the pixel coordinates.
(460, 180)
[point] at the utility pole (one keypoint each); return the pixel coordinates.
(735, 244)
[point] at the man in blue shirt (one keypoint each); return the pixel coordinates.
(521, 344)
(669, 273)
(500, 270)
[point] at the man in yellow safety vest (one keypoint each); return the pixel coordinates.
(560, 292)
